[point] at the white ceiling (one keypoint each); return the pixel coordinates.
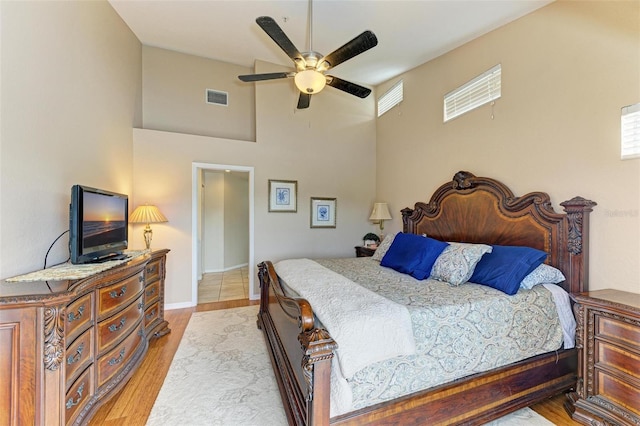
(409, 33)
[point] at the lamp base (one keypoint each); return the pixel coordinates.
(148, 233)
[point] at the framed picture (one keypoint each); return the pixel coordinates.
(323, 212)
(283, 196)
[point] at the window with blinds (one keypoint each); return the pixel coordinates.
(479, 91)
(390, 98)
(630, 132)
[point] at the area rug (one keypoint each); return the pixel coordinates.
(221, 375)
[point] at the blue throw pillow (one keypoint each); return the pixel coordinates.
(413, 254)
(506, 266)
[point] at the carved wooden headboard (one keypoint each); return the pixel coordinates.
(483, 210)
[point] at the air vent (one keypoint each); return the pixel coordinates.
(217, 97)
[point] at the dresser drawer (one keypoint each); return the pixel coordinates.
(116, 359)
(153, 270)
(112, 329)
(115, 296)
(151, 293)
(78, 395)
(78, 316)
(618, 391)
(610, 356)
(151, 313)
(78, 356)
(616, 330)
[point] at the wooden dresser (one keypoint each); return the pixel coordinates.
(608, 343)
(67, 349)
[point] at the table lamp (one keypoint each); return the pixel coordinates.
(379, 214)
(147, 214)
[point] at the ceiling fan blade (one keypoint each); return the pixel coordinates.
(266, 76)
(362, 43)
(304, 100)
(275, 32)
(347, 86)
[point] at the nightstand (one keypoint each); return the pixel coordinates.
(364, 251)
(608, 344)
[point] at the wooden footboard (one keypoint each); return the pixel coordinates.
(300, 353)
(301, 358)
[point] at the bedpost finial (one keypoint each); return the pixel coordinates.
(463, 180)
(578, 204)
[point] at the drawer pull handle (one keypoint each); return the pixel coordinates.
(151, 314)
(75, 358)
(114, 327)
(115, 295)
(115, 361)
(152, 269)
(71, 317)
(140, 305)
(70, 402)
(140, 278)
(151, 291)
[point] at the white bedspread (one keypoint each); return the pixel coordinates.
(367, 327)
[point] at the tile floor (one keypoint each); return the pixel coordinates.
(220, 286)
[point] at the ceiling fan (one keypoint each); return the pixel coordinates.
(310, 66)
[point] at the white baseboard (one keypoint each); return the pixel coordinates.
(231, 268)
(180, 305)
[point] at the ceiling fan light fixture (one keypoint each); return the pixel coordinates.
(310, 81)
(310, 67)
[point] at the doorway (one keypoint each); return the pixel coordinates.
(222, 233)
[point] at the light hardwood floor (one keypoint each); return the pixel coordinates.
(132, 404)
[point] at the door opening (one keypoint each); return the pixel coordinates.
(222, 233)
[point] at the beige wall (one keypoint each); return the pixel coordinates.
(567, 69)
(174, 96)
(236, 220)
(213, 221)
(329, 149)
(71, 92)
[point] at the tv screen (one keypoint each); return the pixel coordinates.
(98, 224)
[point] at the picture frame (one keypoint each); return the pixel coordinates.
(323, 212)
(283, 196)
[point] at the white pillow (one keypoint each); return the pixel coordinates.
(543, 274)
(456, 263)
(383, 247)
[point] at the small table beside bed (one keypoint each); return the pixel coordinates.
(460, 319)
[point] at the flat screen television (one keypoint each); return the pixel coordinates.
(98, 224)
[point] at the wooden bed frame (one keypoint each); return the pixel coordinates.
(468, 209)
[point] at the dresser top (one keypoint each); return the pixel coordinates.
(610, 297)
(42, 291)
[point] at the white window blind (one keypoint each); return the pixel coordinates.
(479, 91)
(630, 132)
(390, 98)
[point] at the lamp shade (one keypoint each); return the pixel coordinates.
(147, 214)
(380, 212)
(310, 81)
